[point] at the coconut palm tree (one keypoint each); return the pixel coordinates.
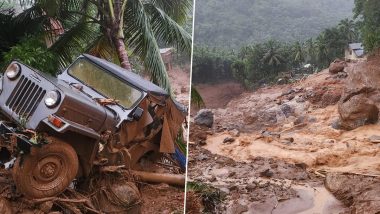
(273, 57)
(298, 55)
(116, 28)
(349, 29)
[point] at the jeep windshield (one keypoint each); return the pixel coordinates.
(105, 83)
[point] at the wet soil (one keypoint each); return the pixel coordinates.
(286, 148)
(219, 94)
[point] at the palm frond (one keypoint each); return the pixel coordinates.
(74, 41)
(102, 48)
(196, 98)
(140, 38)
(167, 30)
(177, 10)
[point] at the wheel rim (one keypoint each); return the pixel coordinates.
(49, 172)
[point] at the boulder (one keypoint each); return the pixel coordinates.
(357, 111)
(337, 66)
(204, 117)
(287, 110)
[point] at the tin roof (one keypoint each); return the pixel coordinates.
(357, 48)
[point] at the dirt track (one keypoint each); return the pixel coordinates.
(285, 144)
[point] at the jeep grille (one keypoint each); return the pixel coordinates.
(25, 97)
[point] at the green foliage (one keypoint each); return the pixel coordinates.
(196, 98)
(210, 196)
(368, 12)
(89, 26)
(230, 24)
(266, 62)
(211, 64)
(33, 52)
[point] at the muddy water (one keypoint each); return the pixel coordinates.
(342, 152)
(310, 200)
(319, 147)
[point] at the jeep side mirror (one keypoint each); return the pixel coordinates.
(137, 113)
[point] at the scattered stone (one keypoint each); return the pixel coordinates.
(202, 142)
(234, 132)
(237, 208)
(374, 139)
(231, 174)
(300, 99)
(201, 157)
(330, 97)
(212, 178)
(330, 141)
(183, 89)
(301, 165)
(300, 119)
(287, 110)
(291, 91)
(336, 124)
(204, 117)
(267, 173)
(251, 187)
(229, 140)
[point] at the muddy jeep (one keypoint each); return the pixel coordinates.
(55, 130)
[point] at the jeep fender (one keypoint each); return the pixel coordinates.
(83, 139)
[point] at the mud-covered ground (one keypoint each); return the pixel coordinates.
(280, 149)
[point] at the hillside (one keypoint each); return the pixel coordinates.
(230, 23)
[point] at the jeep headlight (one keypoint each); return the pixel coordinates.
(13, 71)
(52, 98)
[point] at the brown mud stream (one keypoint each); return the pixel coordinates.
(278, 149)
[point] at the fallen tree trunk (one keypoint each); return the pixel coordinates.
(152, 177)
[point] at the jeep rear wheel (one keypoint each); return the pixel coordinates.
(47, 171)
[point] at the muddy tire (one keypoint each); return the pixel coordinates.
(47, 171)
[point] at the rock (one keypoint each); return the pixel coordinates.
(204, 117)
(202, 142)
(288, 92)
(336, 124)
(229, 140)
(237, 208)
(183, 89)
(299, 120)
(374, 139)
(251, 187)
(359, 192)
(337, 66)
(331, 97)
(201, 157)
(124, 194)
(267, 173)
(287, 110)
(234, 132)
(329, 141)
(300, 99)
(211, 178)
(357, 111)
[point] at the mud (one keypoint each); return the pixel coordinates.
(289, 137)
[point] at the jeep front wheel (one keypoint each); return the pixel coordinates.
(47, 171)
